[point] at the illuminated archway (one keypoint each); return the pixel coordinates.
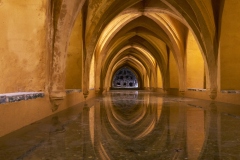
(125, 78)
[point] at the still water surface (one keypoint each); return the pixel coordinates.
(131, 125)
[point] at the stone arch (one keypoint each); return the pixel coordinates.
(92, 34)
(137, 67)
(137, 33)
(196, 16)
(97, 28)
(125, 77)
(189, 12)
(63, 20)
(127, 50)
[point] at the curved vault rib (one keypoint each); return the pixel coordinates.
(112, 54)
(163, 21)
(179, 61)
(114, 27)
(160, 61)
(130, 59)
(117, 55)
(137, 33)
(115, 33)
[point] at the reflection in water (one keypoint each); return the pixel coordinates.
(132, 125)
(55, 145)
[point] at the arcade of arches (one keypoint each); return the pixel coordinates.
(69, 51)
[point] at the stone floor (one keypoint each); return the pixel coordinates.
(131, 125)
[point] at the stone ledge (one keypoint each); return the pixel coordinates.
(231, 115)
(68, 91)
(19, 96)
(231, 91)
(196, 89)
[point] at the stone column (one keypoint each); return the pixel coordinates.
(63, 21)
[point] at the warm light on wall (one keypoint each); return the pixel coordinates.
(114, 27)
(92, 74)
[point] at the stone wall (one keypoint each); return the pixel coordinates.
(23, 45)
(74, 57)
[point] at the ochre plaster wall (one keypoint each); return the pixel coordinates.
(173, 72)
(229, 46)
(74, 57)
(23, 45)
(92, 74)
(33, 110)
(195, 64)
(146, 81)
(96, 10)
(159, 78)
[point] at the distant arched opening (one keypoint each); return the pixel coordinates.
(125, 78)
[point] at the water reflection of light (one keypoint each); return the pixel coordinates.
(162, 128)
(127, 110)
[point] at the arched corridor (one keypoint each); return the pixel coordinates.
(58, 53)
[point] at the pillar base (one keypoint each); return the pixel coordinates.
(99, 91)
(213, 94)
(85, 94)
(56, 98)
(182, 93)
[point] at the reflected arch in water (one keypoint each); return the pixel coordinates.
(125, 77)
(138, 135)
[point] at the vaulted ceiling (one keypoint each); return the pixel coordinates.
(138, 33)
